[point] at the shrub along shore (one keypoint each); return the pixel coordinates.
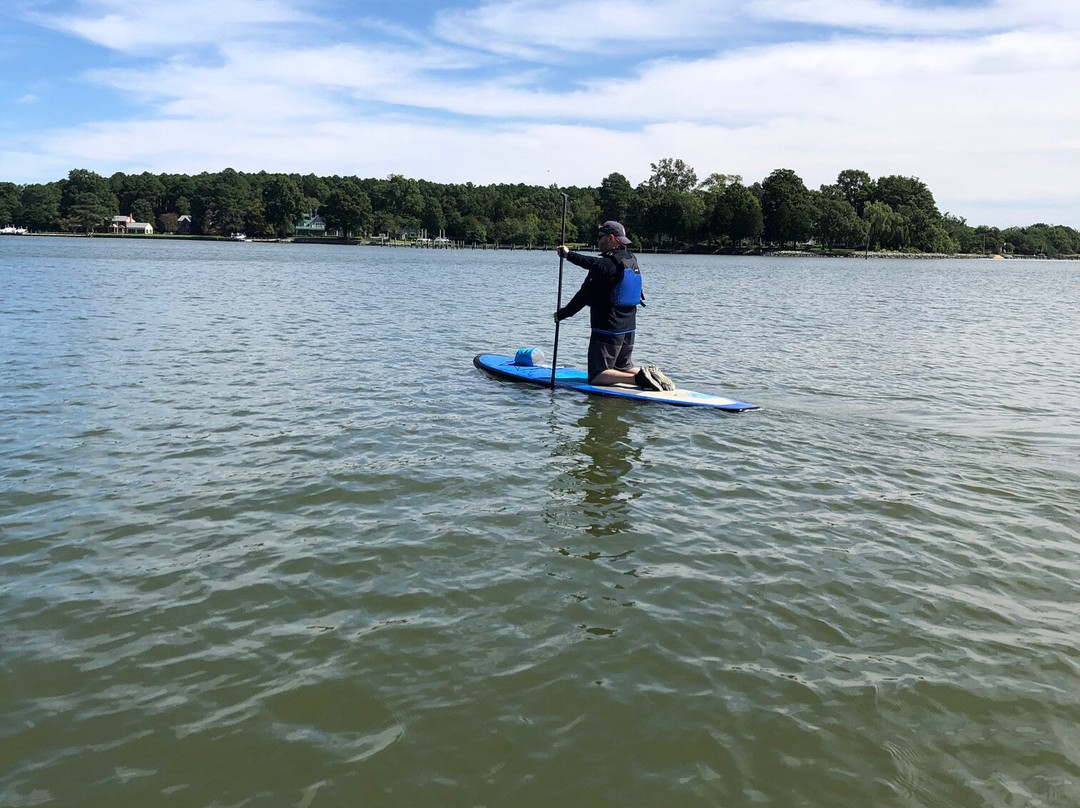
(810, 251)
(671, 211)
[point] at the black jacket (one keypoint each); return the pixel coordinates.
(605, 273)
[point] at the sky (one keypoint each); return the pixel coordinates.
(977, 98)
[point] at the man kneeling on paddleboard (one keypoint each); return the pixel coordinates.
(612, 290)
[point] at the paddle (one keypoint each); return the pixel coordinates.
(558, 300)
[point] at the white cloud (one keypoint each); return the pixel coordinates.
(542, 30)
(910, 18)
(983, 116)
(146, 28)
(537, 29)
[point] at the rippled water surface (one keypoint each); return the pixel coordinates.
(267, 538)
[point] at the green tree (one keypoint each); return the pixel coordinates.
(976, 240)
(787, 207)
(87, 199)
(644, 216)
(927, 233)
(616, 198)
(177, 194)
(9, 203)
(434, 219)
(672, 175)
(255, 223)
(222, 203)
(142, 210)
(474, 230)
(718, 182)
(348, 209)
(681, 216)
(666, 209)
(899, 192)
(1026, 241)
(584, 214)
(718, 216)
(1042, 239)
(837, 223)
(131, 188)
(884, 227)
(1064, 240)
(917, 224)
(386, 222)
(39, 206)
(283, 201)
(315, 189)
(718, 208)
(856, 188)
(88, 212)
(402, 198)
(670, 208)
(747, 220)
(962, 233)
(518, 230)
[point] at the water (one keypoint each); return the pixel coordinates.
(267, 538)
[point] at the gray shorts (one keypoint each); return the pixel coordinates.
(610, 351)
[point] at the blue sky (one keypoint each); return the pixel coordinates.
(976, 98)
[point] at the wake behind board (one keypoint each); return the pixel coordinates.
(505, 367)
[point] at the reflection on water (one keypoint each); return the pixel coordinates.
(592, 502)
(597, 456)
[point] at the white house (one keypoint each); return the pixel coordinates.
(127, 224)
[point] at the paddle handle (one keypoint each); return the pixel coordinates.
(558, 298)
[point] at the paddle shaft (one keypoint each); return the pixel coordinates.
(558, 299)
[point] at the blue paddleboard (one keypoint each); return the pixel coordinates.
(511, 368)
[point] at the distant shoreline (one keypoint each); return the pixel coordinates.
(726, 251)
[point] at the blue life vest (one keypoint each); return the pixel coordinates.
(627, 292)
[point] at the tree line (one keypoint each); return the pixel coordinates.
(672, 209)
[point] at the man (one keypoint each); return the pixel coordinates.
(612, 291)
